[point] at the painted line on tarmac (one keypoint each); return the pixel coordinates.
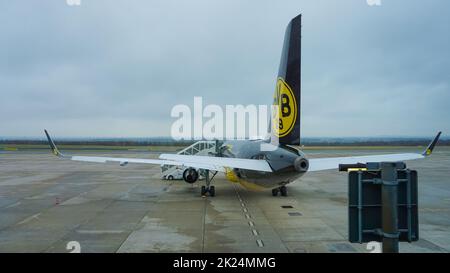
(260, 243)
(251, 224)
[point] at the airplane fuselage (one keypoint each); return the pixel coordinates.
(288, 164)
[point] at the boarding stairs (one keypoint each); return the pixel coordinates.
(203, 147)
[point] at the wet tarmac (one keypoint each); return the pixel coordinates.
(46, 203)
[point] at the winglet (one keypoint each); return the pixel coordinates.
(430, 147)
(55, 150)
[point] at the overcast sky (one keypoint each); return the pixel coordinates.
(116, 68)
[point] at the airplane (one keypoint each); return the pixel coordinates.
(249, 162)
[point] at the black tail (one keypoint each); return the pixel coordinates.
(286, 119)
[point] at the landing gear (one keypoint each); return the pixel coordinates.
(203, 191)
(211, 190)
(208, 189)
(282, 190)
(275, 192)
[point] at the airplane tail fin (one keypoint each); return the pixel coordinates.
(285, 121)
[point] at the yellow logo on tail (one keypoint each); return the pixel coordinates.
(283, 118)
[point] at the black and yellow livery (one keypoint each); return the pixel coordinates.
(286, 118)
(430, 147)
(285, 112)
(55, 150)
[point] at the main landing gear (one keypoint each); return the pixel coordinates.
(211, 190)
(282, 190)
(208, 189)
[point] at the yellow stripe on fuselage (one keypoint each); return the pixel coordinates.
(232, 177)
(356, 169)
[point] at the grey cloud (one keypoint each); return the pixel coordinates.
(116, 68)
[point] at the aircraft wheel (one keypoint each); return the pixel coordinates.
(274, 192)
(212, 191)
(203, 191)
(283, 191)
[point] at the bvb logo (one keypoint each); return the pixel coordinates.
(283, 119)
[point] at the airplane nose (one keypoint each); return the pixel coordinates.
(301, 164)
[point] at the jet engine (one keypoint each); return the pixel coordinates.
(190, 175)
(301, 164)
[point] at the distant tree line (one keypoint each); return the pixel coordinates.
(100, 142)
(169, 142)
(442, 142)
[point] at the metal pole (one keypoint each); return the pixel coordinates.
(389, 207)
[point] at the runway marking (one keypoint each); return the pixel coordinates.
(294, 214)
(26, 220)
(260, 243)
(434, 210)
(100, 231)
(205, 208)
(14, 205)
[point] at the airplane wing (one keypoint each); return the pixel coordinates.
(200, 162)
(320, 164)
(248, 164)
